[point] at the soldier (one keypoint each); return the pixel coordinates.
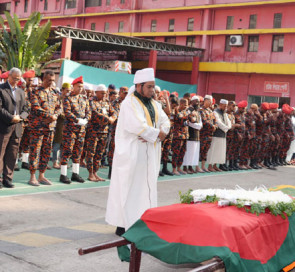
(267, 137)
(230, 137)
(116, 106)
(4, 76)
(25, 141)
(77, 114)
(180, 134)
(273, 107)
(57, 140)
(102, 116)
(209, 126)
(45, 109)
(239, 133)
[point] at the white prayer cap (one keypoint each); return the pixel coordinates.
(87, 87)
(157, 88)
(223, 101)
(144, 75)
(195, 98)
(101, 88)
(207, 96)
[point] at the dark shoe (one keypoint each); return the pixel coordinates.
(76, 177)
(161, 174)
(235, 166)
(110, 172)
(223, 167)
(165, 171)
(230, 166)
(253, 165)
(7, 184)
(16, 168)
(64, 179)
(1, 185)
(25, 165)
(120, 231)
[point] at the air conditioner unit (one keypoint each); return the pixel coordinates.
(236, 40)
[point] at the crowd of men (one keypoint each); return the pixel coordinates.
(38, 120)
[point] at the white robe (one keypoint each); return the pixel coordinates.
(217, 150)
(292, 146)
(192, 153)
(133, 186)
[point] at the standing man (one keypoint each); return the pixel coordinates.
(217, 151)
(77, 114)
(25, 141)
(209, 126)
(230, 137)
(13, 110)
(102, 115)
(194, 123)
(142, 125)
(45, 108)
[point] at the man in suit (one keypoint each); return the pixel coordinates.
(13, 110)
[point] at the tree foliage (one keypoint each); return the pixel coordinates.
(25, 48)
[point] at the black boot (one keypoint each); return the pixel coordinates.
(165, 170)
(120, 231)
(256, 164)
(161, 174)
(110, 172)
(223, 167)
(235, 165)
(230, 165)
(25, 165)
(281, 161)
(273, 161)
(76, 177)
(278, 161)
(64, 179)
(252, 164)
(265, 162)
(284, 161)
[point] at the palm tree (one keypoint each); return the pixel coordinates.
(26, 48)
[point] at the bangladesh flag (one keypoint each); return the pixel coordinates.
(192, 233)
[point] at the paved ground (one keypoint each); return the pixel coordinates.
(42, 228)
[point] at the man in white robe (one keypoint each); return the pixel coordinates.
(192, 153)
(142, 125)
(217, 150)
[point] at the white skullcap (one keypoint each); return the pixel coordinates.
(87, 87)
(144, 75)
(157, 88)
(207, 96)
(195, 98)
(101, 87)
(223, 101)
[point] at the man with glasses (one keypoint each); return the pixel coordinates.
(13, 110)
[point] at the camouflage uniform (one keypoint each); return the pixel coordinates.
(75, 106)
(206, 133)
(44, 103)
(116, 107)
(25, 140)
(266, 137)
(258, 139)
(239, 134)
(98, 132)
(180, 134)
(230, 138)
(248, 145)
(274, 146)
(167, 143)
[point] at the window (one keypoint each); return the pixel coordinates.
(122, 1)
(230, 22)
(153, 25)
(171, 25)
(5, 7)
(26, 6)
(45, 4)
(92, 3)
(70, 4)
(108, 2)
(170, 40)
(277, 20)
(278, 43)
(227, 46)
(253, 42)
(253, 19)
(191, 41)
(106, 27)
(121, 27)
(92, 27)
(190, 24)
